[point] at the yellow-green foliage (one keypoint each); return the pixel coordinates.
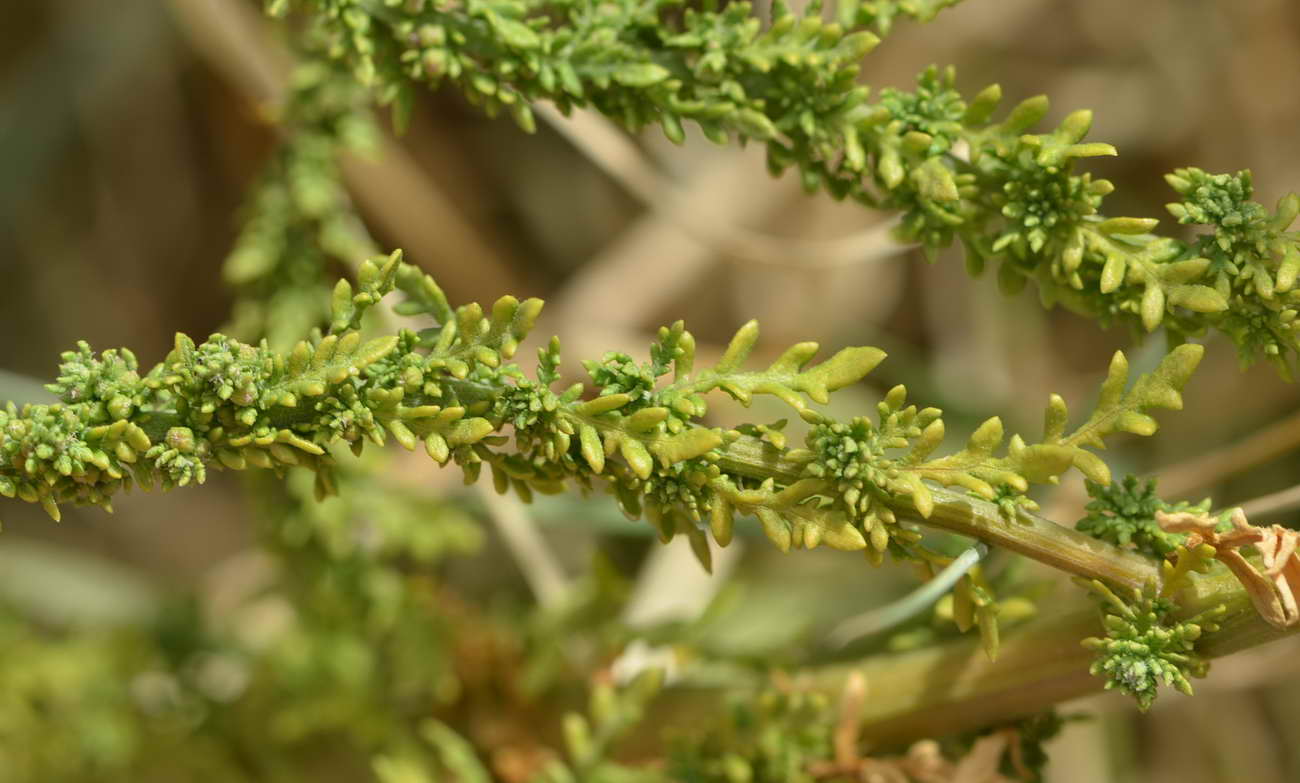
(452, 388)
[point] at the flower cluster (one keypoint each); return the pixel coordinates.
(1146, 645)
(454, 390)
(1253, 258)
(1124, 513)
(954, 172)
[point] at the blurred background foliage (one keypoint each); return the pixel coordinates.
(217, 619)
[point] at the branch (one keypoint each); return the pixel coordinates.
(933, 155)
(227, 405)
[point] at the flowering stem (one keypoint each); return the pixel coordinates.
(1029, 534)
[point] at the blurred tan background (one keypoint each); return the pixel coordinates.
(130, 130)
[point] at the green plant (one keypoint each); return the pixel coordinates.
(1008, 195)
(381, 654)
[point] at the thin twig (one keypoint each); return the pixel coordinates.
(1274, 503)
(1270, 442)
(615, 154)
(540, 568)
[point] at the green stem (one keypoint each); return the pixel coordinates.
(1038, 538)
(953, 687)
(958, 512)
(944, 689)
(948, 688)
(1029, 534)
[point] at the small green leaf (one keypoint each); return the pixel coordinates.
(603, 404)
(466, 431)
(1128, 225)
(1055, 418)
(1153, 307)
(755, 124)
(844, 536)
(689, 444)
(640, 74)
(1198, 298)
(637, 457)
(982, 106)
(739, 348)
(1112, 274)
(516, 34)
(1025, 115)
(592, 449)
(775, 527)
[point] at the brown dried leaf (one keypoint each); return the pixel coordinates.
(1272, 591)
(1282, 565)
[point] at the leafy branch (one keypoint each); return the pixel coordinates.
(955, 173)
(453, 389)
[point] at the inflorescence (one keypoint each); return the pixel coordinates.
(1146, 645)
(1124, 513)
(1008, 195)
(453, 390)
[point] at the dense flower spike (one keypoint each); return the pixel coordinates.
(453, 389)
(1145, 646)
(1011, 196)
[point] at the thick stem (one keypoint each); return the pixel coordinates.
(1038, 538)
(943, 689)
(949, 688)
(953, 687)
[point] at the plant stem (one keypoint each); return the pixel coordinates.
(953, 687)
(958, 512)
(948, 688)
(1029, 534)
(944, 689)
